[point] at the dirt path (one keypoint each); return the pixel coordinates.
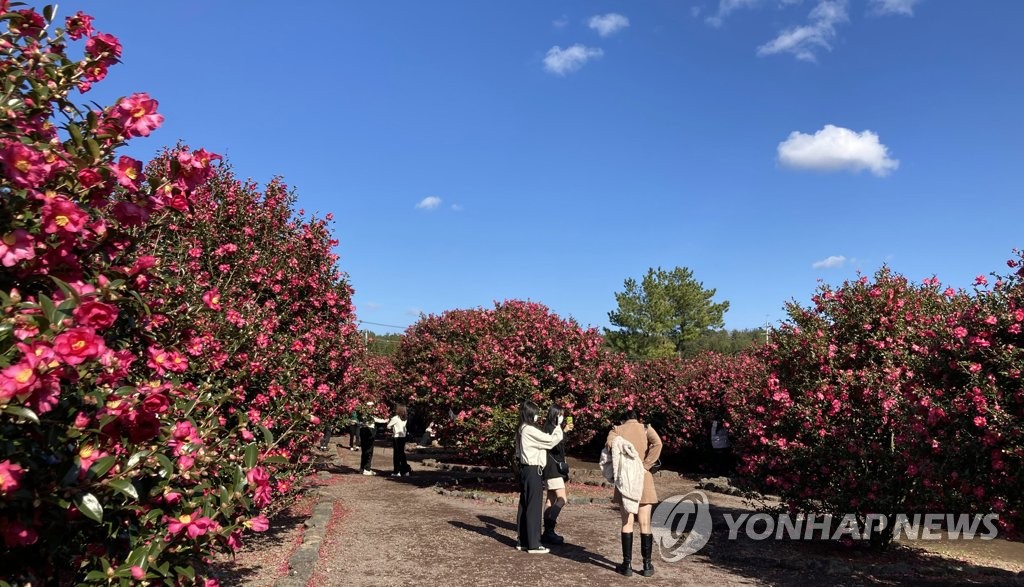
(389, 531)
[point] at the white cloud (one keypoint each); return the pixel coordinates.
(833, 262)
(563, 61)
(414, 312)
(727, 7)
(560, 22)
(457, 208)
(608, 24)
(429, 203)
(804, 41)
(904, 7)
(834, 148)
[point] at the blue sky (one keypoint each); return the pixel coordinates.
(478, 151)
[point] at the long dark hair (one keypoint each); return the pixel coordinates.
(552, 420)
(528, 413)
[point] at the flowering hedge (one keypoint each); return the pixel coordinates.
(169, 335)
(888, 397)
(470, 369)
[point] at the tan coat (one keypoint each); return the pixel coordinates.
(648, 445)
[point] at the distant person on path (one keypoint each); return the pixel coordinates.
(648, 447)
(353, 430)
(721, 448)
(556, 473)
(367, 434)
(397, 425)
(532, 445)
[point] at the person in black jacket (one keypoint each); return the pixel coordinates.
(556, 473)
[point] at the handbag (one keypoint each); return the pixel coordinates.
(562, 466)
(655, 467)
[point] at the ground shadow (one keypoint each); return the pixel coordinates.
(786, 561)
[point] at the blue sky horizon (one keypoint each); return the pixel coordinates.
(474, 152)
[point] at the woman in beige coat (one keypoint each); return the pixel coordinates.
(648, 445)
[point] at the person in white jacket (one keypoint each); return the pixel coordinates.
(532, 445)
(397, 426)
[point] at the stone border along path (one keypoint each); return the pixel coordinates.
(405, 531)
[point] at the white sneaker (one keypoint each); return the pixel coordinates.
(406, 474)
(368, 472)
(540, 550)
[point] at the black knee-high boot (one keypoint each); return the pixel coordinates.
(626, 568)
(550, 521)
(646, 549)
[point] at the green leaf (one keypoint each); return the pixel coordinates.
(69, 292)
(137, 557)
(94, 148)
(135, 458)
(276, 460)
(102, 465)
(76, 134)
(23, 413)
(49, 12)
(124, 486)
(251, 454)
(95, 576)
(90, 506)
(49, 309)
(165, 464)
(268, 436)
(187, 571)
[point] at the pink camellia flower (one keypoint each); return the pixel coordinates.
(211, 583)
(980, 280)
(980, 421)
(137, 115)
(128, 172)
(158, 359)
(95, 314)
(62, 215)
(89, 177)
(87, 455)
(25, 167)
(194, 524)
(15, 246)
(1018, 315)
(103, 46)
(77, 345)
(17, 379)
(235, 540)
(258, 476)
(137, 573)
(212, 299)
(177, 362)
(10, 477)
(991, 320)
(959, 332)
(260, 523)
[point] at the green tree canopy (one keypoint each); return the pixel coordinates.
(663, 314)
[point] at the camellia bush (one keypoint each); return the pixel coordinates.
(470, 370)
(682, 397)
(162, 368)
(887, 397)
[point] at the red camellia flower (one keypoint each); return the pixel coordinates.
(103, 46)
(62, 215)
(78, 26)
(212, 299)
(137, 115)
(77, 345)
(24, 166)
(17, 534)
(95, 314)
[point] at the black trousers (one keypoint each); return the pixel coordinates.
(366, 446)
(398, 459)
(353, 433)
(531, 500)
